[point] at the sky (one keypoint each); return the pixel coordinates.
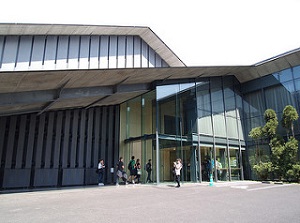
(199, 32)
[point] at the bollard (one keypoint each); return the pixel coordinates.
(211, 181)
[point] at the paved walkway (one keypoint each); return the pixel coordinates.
(241, 201)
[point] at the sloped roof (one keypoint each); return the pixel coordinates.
(60, 29)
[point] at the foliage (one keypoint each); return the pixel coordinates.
(263, 169)
(288, 117)
(256, 134)
(271, 125)
(296, 172)
(283, 163)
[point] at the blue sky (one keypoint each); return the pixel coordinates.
(200, 33)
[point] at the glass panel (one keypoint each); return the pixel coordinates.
(206, 157)
(167, 100)
(148, 112)
(232, 130)
(296, 72)
(289, 86)
(218, 112)
(188, 112)
(278, 98)
(134, 117)
(234, 164)
(240, 130)
(219, 125)
(255, 102)
(297, 84)
(204, 110)
(168, 155)
(285, 75)
(222, 164)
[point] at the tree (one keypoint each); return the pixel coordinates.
(284, 162)
(256, 134)
(271, 125)
(289, 115)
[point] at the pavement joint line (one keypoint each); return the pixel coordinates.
(269, 187)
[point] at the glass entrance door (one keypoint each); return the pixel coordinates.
(168, 155)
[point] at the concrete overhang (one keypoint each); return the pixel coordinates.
(39, 91)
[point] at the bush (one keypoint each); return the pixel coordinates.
(263, 169)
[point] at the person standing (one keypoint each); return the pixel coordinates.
(120, 172)
(101, 167)
(178, 167)
(138, 170)
(149, 169)
(132, 169)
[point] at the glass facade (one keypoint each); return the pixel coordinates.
(206, 123)
(274, 91)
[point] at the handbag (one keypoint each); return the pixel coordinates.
(139, 171)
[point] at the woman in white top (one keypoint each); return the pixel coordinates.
(101, 167)
(178, 167)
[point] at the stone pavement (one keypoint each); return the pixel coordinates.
(240, 201)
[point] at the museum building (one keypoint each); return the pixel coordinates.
(72, 94)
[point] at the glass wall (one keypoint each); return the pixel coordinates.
(137, 131)
(199, 122)
(274, 91)
(176, 122)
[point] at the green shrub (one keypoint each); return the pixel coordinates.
(263, 169)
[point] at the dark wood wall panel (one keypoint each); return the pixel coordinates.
(11, 142)
(21, 140)
(31, 139)
(2, 135)
(74, 136)
(82, 136)
(60, 148)
(49, 140)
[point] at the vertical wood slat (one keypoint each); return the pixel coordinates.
(40, 141)
(57, 147)
(30, 144)
(74, 139)
(49, 140)
(65, 147)
(103, 132)
(21, 141)
(2, 135)
(115, 156)
(89, 138)
(11, 141)
(81, 149)
(110, 128)
(97, 125)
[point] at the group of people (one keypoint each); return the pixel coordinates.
(208, 168)
(135, 170)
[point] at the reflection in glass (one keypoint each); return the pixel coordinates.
(234, 162)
